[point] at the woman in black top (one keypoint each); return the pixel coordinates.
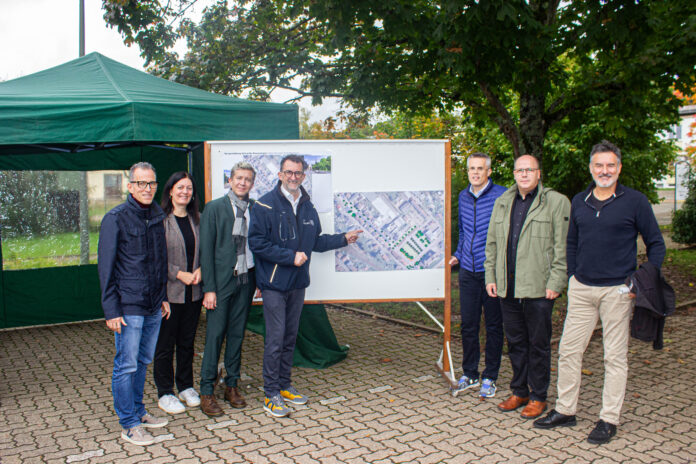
(180, 204)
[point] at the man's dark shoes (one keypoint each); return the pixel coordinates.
(602, 433)
(513, 403)
(555, 419)
(210, 407)
(233, 397)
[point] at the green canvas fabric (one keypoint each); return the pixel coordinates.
(317, 346)
(96, 99)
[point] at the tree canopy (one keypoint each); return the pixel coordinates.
(552, 77)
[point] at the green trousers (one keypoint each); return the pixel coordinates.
(227, 321)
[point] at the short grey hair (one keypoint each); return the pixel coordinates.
(478, 154)
(244, 166)
(141, 165)
(295, 159)
(606, 146)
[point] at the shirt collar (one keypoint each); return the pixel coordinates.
(478, 194)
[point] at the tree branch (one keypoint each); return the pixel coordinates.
(504, 120)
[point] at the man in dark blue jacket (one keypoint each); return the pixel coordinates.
(284, 231)
(475, 207)
(132, 267)
(604, 224)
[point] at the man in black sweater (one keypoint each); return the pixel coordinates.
(601, 252)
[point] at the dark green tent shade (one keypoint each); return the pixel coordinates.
(96, 99)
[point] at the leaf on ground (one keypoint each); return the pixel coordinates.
(385, 360)
(636, 395)
(668, 340)
(667, 348)
(647, 361)
(417, 335)
(553, 369)
(681, 361)
(587, 372)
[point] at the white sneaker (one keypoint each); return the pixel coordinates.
(170, 405)
(138, 436)
(190, 397)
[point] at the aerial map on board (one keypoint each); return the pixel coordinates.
(317, 181)
(401, 230)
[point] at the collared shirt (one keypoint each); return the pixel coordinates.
(249, 256)
(294, 202)
(480, 191)
(519, 210)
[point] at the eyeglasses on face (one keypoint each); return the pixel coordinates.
(525, 170)
(289, 173)
(142, 185)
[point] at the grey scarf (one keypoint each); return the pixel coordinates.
(240, 231)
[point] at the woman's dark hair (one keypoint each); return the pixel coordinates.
(168, 207)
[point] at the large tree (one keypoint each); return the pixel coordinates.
(552, 76)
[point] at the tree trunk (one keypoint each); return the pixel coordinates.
(532, 128)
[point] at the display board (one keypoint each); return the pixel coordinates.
(396, 191)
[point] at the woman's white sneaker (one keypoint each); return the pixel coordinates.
(190, 397)
(171, 405)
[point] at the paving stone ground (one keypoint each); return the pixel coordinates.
(384, 404)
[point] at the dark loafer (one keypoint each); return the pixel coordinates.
(602, 433)
(555, 419)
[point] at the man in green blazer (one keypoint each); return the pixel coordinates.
(229, 282)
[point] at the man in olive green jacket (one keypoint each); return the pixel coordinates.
(229, 282)
(526, 267)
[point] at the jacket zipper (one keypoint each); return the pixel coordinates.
(473, 236)
(273, 273)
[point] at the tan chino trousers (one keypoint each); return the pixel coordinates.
(587, 304)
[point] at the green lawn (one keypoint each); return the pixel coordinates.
(47, 251)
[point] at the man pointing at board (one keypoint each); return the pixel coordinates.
(284, 231)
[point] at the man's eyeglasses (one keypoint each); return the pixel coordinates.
(289, 173)
(142, 184)
(525, 170)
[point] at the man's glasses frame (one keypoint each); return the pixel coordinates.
(289, 173)
(142, 185)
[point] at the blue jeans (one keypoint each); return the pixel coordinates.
(135, 348)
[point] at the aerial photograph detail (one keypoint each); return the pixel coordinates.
(402, 230)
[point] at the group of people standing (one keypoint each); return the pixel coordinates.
(159, 264)
(518, 250)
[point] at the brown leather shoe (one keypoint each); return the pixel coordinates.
(513, 403)
(210, 407)
(235, 399)
(534, 409)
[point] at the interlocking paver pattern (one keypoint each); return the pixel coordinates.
(383, 404)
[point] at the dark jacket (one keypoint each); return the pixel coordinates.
(218, 249)
(602, 246)
(474, 217)
(176, 260)
(655, 300)
(132, 260)
(275, 234)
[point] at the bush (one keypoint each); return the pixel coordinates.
(684, 220)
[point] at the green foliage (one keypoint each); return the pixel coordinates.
(25, 203)
(323, 164)
(684, 219)
(546, 78)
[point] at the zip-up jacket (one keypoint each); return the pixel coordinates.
(474, 217)
(132, 260)
(276, 234)
(541, 250)
(602, 244)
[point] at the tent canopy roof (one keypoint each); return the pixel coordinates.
(97, 99)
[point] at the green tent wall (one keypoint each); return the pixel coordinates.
(94, 113)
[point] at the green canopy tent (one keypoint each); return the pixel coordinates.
(94, 113)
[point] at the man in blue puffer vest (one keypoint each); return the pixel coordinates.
(284, 230)
(475, 207)
(132, 267)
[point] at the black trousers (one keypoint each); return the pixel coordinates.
(178, 331)
(527, 324)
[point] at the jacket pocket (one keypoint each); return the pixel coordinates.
(132, 291)
(540, 227)
(134, 240)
